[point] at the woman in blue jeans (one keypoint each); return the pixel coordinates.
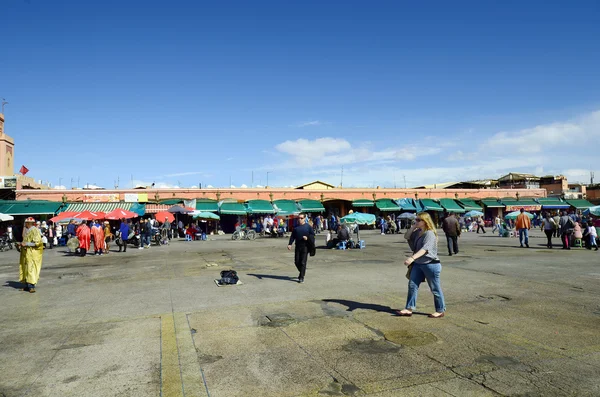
(422, 239)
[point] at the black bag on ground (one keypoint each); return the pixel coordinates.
(229, 277)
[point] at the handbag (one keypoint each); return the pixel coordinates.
(408, 271)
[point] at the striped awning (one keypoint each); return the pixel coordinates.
(154, 208)
(97, 207)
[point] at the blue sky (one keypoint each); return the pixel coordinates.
(196, 92)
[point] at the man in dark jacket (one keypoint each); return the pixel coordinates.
(452, 230)
(124, 235)
(303, 235)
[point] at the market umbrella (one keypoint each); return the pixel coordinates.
(593, 211)
(63, 215)
(358, 218)
(161, 216)
(6, 217)
(473, 213)
(177, 209)
(88, 215)
(119, 213)
(513, 215)
(205, 215)
(407, 215)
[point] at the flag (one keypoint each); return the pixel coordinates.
(23, 170)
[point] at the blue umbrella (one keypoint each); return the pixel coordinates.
(474, 213)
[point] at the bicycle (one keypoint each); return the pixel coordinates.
(243, 234)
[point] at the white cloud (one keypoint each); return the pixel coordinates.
(59, 187)
(244, 186)
(310, 123)
(558, 147)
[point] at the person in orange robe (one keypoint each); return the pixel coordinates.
(98, 235)
(83, 235)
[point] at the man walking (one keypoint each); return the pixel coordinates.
(304, 236)
(452, 230)
(497, 224)
(566, 226)
(124, 235)
(31, 256)
(523, 225)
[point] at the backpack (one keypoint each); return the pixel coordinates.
(229, 277)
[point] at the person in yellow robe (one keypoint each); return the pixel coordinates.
(31, 256)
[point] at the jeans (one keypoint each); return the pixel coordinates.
(524, 236)
(431, 273)
(549, 234)
(452, 244)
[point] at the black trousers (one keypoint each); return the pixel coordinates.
(300, 256)
(480, 227)
(549, 234)
(452, 244)
(124, 242)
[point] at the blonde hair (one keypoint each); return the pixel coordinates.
(426, 218)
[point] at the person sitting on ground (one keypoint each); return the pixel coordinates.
(342, 235)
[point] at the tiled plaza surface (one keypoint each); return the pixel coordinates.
(152, 322)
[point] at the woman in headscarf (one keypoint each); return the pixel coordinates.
(424, 265)
(31, 256)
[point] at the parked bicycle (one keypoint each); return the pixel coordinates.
(244, 234)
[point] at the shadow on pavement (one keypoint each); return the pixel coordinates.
(353, 305)
(13, 284)
(261, 276)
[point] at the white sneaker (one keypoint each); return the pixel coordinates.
(141, 248)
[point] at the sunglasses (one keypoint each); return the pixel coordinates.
(418, 220)
(300, 217)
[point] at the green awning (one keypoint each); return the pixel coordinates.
(232, 209)
(470, 205)
(580, 204)
(311, 206)
(527, 204)
(207, 205)
(451, 206)
(286, 207)
(407, 204)
(553, 203)
(387, 205)
(429, 205)
(172, 201)
(97, 207)
(363, 203)
(260, 207)
(29, 207)
(492, 203)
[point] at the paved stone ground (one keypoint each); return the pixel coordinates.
(520, 322)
